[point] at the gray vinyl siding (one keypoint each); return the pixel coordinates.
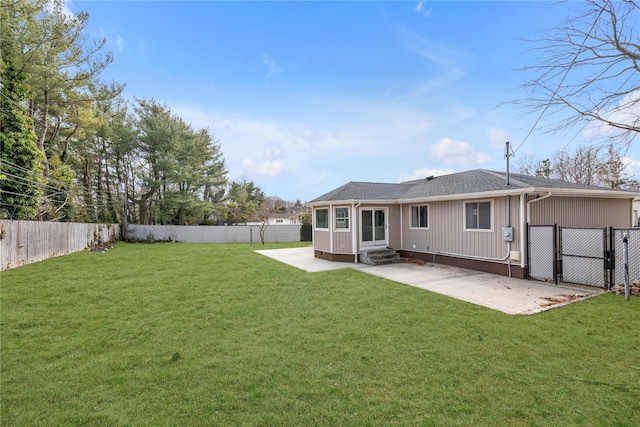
(581, 212)
(446, 231)
(342, 242)
(342, 238)
(321, 240)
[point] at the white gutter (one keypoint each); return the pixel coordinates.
(611, 194)
(535, 200)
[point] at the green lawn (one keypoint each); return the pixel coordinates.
(196, 335)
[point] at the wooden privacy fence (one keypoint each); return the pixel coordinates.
(24, 242)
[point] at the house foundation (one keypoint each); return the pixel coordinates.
(471, 264)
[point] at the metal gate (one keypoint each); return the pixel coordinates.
(541, 253)
(633, 251)
(584, 256)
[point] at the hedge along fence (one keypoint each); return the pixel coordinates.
(213, 234)
(24, 242)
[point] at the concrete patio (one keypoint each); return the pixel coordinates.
(505, 294)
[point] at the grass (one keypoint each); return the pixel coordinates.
(193, 334)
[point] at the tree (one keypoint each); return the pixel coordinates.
(584, 166)
(611, 171)
(63, 65)
(244, 199)
(588, 72)
(181, 173)
(264, 215)
(20, 161)
(534, 167)
(581, 167)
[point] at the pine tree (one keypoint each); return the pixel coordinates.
(20, 161)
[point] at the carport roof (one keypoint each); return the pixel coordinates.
(461, 183)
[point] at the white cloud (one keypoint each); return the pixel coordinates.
(423, 173)
(63, 8)
(632, 167)
(272, 66)
(627, 111)
(119, 43)
(422, 10)
(339, 129)
(446, 61)
(266, 168)
(454, 152)
(497, 138)
(112, 39)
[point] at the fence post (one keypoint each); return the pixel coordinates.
(528, 245)
(612, 258)
(555, 253)
(625, 258)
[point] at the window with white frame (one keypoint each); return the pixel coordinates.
(322, 218)
(342, 218)
(477, 215)
(420, 216)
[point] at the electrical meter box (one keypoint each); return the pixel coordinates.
(507, 234)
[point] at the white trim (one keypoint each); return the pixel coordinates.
(569, 192)
(373, 209)
(464, 216)
(315, 223)
(411, 227)
(335, 218)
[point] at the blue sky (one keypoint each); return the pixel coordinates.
(306, 96)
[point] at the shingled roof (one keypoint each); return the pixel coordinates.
(469, 182)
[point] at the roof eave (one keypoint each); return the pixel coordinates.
(352, 201)
(577, 192)
(478, 195)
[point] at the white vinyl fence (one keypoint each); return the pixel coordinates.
(213, 234)
(24, 242)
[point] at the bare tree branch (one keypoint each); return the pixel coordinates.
(588, 73)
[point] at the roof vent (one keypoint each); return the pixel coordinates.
(429, 178)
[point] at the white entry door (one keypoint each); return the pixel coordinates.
(374, 227)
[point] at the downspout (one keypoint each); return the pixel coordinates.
(523, 224)
(354, 230)
(508, 221)
(401, 230)
(330, 219)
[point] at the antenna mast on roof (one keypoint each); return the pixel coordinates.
(508, 152)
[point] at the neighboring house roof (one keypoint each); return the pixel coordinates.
(474, 183)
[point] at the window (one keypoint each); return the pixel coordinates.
(419, 217)
(477, 215)
(342, 218)
(322, 218)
